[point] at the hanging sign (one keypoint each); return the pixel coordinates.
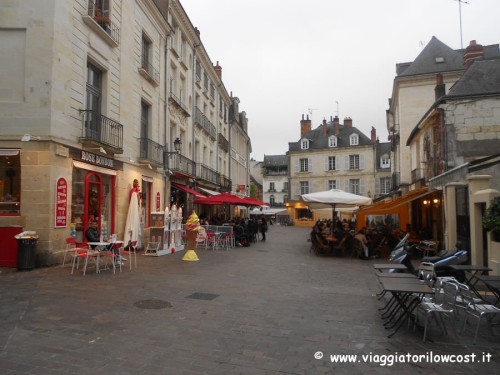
(158, 207)
(61, 207)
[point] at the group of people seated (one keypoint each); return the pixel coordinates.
(340, 237)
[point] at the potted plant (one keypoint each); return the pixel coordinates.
(491, 219)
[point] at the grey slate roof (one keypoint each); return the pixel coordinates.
(482, 78)
(425, 62)
(275, 160)
(317, 139)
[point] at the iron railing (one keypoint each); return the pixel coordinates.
(151, 151)
(150, 69)
(202, 121)
(206, 173)
(101, 16)
(223, 143)
(102, 129)
(174, 98)
(225, 183)
(181, 164)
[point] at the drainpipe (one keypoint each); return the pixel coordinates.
(166, 122)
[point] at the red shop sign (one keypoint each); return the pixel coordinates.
(158, 206)
(61, 213)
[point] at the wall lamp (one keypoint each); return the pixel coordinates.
(177, 145)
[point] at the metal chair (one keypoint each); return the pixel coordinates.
(73, 247)
(131, 250)
(477, 310)
(442, 306)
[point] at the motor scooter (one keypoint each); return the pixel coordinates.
(442, 261)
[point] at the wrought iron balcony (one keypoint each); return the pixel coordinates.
(177, 101)
(180, 164)
(97, 18)
(203, 122)
(149, 72)
(208, 174)
(225, 183)
(223, 143)
(102, 130)
(151, 151)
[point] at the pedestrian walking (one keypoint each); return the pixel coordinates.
(263, 227)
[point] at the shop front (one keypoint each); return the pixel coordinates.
(93, 193)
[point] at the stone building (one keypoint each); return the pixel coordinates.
(95, 94)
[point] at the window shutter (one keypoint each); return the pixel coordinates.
(362, 186)
(377, 186)
(327, 164)
(297, 162)
(346, 162)
(297, 188)
(361, 161)
(346, 186)
(309, 165)
(327, 185)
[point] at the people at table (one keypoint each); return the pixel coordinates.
(92, 234)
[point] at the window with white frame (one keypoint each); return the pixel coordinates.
(353, 161)
(354, 140)
(271, 186)
(304, 187)
(385, 161)
(304, 165)
(354, 186)
(332, 141)
(385, 185)
(332, 184)
(304, 144)
(332, 165)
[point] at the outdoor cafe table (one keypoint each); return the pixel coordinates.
(389, 266)
(493, 284)
(471, 274)
(401, 292)
(102, 247)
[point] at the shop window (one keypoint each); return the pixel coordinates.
(10, 182)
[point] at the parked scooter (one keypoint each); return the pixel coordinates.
(442, 260)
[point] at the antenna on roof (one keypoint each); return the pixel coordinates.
(310, 110)
(337, 111)
(460, 15)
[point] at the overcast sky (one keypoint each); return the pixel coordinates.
(285, 58)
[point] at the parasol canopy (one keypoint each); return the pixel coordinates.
(334, 198)
(222, 198)
(133, 224)
(250, 201)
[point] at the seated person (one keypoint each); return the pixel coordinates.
(92, 234)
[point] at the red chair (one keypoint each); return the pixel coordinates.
(132, 251)
(113, 253)
(73, 247)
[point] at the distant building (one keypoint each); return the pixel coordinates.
(275, 181)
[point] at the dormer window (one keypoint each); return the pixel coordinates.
(385, 161)
(354, 140)
(332, 141)
(304, 144)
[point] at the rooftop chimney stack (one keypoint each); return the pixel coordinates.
(348, 122)
(440, 89)
(336, 126)
(473, 52)
(325, 127)
(218, 70)
(373, 135)
(305, 126)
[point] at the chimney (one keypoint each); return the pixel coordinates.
(336, 126)
(374, 135)
(473, 52)
(218, 70)
(305, 126)
(325, 128)
(440, 89)
(348, 122)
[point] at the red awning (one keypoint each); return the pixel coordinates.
(187, 189)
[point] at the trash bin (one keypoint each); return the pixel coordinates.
(26, 249)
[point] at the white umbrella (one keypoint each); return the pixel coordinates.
(334, 198)
(133, 223)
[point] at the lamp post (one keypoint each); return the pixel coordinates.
(177, 145)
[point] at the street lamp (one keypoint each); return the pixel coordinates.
(177, 145)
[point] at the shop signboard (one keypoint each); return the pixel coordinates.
(158, 200)
(61, 214)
